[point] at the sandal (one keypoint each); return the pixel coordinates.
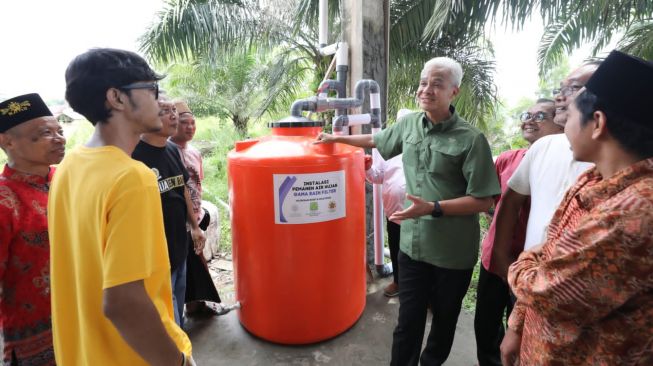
(214, 308)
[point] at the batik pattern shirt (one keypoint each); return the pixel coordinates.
(25, 268)
(587, 297)
(192, 159)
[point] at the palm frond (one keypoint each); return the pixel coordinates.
(638, 40)
(558, 40)
(594, 21)
(188, 29)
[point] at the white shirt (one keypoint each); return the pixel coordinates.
(546, 172)
(390, 173)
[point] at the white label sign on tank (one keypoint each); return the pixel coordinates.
(309, 198)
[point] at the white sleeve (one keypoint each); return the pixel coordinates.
(520, 180)
(376, 172)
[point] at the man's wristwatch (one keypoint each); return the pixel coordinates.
(437, 210)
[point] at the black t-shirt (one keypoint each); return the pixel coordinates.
(171, 176)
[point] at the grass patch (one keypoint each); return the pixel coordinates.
(469, 301)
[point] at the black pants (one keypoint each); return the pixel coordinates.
(421, 284)
(199, 284)
(493, 300)
(394, 230)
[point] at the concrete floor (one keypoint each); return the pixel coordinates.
(223, 341)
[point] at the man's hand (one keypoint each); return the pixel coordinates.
(417, 209)
(368, 162)
(199, 239)
(510, 348)
(325, 138)
(129, 308)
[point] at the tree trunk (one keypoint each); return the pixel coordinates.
(240, 123)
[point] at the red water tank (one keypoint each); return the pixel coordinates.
(298, 231)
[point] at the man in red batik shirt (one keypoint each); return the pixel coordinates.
(33, 140)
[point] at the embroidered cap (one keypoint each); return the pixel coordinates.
(182, 107)
(21, 109)
(624, 84)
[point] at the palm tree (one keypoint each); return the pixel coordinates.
(239, 86)
(572, 23)
(201, 29)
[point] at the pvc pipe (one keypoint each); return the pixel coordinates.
(339, 103)
(323, 23)
(328, 50)
(342, 54)
(375, 100)
(377, 199)
(326, 86)
(358, 119)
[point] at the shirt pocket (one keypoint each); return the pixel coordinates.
(445, 160)
(411, 151)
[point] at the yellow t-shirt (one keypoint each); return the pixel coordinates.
(106, 229)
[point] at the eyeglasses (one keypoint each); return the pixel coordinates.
(567, 90)
(151, 86)
(537, 117)
(166, 110)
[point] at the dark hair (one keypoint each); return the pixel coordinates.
(634, 136)
(91, 74)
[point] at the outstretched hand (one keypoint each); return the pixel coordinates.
(324, 138)
(419, 208)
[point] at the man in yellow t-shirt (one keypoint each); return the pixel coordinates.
(110, 274)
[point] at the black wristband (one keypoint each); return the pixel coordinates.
(437, 210)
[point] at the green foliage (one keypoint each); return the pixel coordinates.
(240, 86)
(221, 136)
(638, 40)
(552, 78)
(77, 133)
(187, 30)
(469, 301)
(571, 23)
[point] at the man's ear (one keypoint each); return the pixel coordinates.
(7, 142)
(115, 99)
(599, 125)
(456, 90)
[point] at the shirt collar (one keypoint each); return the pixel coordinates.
(604, 189)
(441, 126)
(18, 176)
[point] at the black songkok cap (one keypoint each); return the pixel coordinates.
(21, 109)
(624, 84)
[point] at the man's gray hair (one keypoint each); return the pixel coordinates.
(448, 63)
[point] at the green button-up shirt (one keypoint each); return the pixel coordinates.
(441, 161)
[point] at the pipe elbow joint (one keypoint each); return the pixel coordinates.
(366, 84)
(340, 122)
(308, 104)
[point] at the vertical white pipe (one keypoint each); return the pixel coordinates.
(377, 199)
(324, 23)
(342, 54)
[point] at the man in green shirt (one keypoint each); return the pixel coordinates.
(450, 178)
